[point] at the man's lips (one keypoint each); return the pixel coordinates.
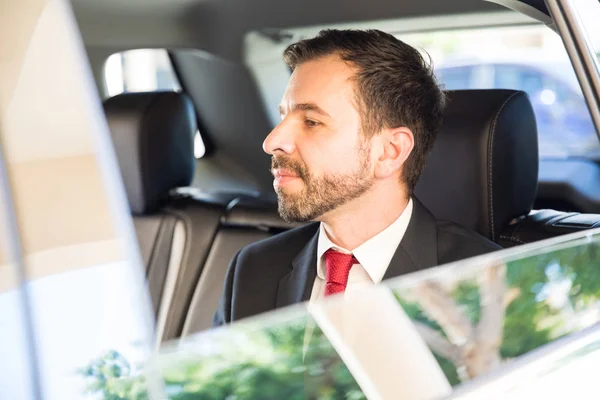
(283, 176)
(284, 173)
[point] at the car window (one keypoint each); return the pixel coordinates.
(518, 77)
(456, 77)
(141, 70)
(531, 58)
(144, 70)
(509, 325)
(474, 54)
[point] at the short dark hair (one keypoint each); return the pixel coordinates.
(396, 86)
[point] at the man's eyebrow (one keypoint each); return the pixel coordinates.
(305, 107)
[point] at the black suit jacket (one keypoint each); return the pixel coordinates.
(281, 270)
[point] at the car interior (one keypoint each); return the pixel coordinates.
(191, 215)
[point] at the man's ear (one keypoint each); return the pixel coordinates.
(397, 144)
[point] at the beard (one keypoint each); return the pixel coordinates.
(321, 194)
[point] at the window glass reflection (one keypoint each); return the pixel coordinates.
(520, 312)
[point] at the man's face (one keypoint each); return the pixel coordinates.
(320, 158)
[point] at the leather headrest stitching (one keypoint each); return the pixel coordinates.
(482, 171)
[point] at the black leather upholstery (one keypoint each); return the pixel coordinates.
(153, 135)
(544, 224)
(234, 123)
(483, 170)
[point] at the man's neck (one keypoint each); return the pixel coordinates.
(363, 218)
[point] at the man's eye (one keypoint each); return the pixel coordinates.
(310, 123)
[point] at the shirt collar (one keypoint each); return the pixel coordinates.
(376, 253)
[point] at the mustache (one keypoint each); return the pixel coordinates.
(289, 164)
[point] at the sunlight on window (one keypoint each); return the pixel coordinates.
(548, 97)
(143, 70)
(199, 148)
(113, 71)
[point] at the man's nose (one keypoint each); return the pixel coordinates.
(280, 140)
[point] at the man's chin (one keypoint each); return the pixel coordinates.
(293, 218)
(290, 193)
(290, 212)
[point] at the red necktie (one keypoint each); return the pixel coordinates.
(338, 269)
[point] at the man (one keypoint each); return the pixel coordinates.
(358, 119)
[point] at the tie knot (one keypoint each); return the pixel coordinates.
(338, 268)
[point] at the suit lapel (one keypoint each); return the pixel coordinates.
(417, 251)
(418, 248)
(296, 286)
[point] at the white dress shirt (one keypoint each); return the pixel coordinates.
(374, 256)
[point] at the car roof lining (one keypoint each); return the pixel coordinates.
(219, 26)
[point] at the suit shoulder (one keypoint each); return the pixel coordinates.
(255, 273)
(456, 242)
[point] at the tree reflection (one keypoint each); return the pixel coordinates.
(474, 325)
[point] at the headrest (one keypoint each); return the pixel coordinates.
(153, 134)
(483, 169)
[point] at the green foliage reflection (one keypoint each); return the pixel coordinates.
(273, 363)
(546, 297)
